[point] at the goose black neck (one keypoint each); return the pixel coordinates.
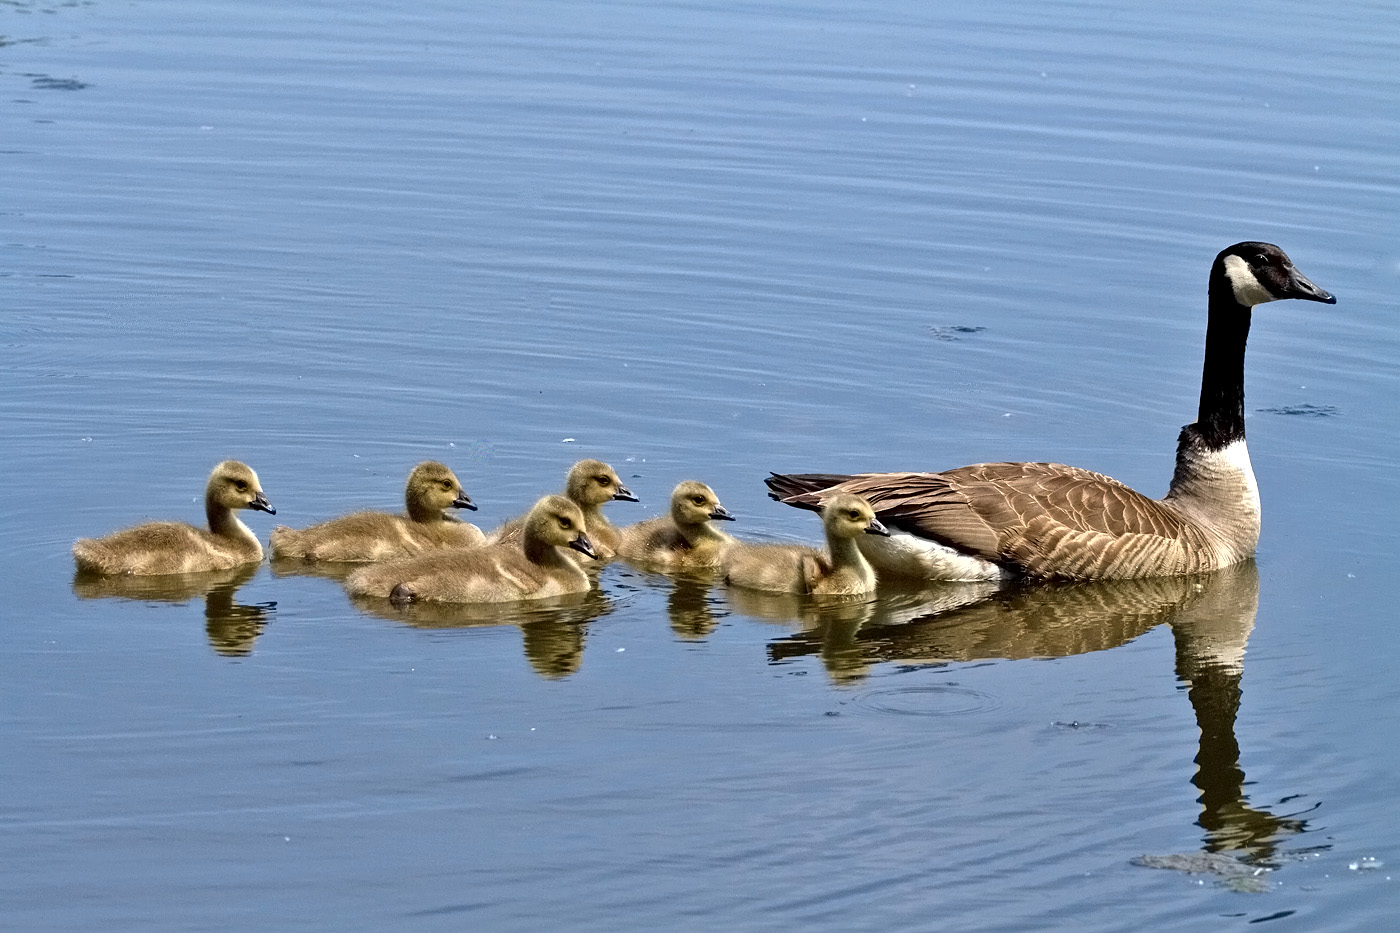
(1220, 421)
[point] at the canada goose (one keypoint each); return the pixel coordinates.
(684, 539)
(369, 536)
(175, 547)
(783, 568)
(1051, 521)
(535, 568)
(589, 485)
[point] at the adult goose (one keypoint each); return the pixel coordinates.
(1051, 521)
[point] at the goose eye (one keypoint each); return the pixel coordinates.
(698, 500)
(446, 484)
(240, 485)
(855, 516)
(565, 523)
(603, 480)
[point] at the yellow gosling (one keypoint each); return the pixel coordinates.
(589, 485)
(176, 547)
(538, 567)
(432, 488)
(686, 539)
(782, 568)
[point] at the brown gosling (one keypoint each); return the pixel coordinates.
(783, 568)
(538, 567)
(176, 547)
(370, 536)
(590, 484)
(683, 540)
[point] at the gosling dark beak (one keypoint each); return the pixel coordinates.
(876, 528)
(262, 505)
(625, 495)
(722, 514)
(1300, 286)
(464, 501)
(583, 545)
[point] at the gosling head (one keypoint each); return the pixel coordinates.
(848, 516)
(559, 522)
(433, 488)
(694, 503)
(234, 485)
(1260, 272)
(593, 482)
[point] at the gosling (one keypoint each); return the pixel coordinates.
(538, 567)
(590, 484)
(683, 540)
(176, 547)
(371, 536)
(781, 568)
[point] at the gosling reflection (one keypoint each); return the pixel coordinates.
(691, 607)
(1211, 616)
(232, 627)
(837, 628)
(553, 629)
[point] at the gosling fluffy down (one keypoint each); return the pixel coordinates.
(432, 488)
(176, 547)
(535, 568)
(842, 571)
(686, 539)
(589, 485)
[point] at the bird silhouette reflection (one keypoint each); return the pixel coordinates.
(554, 630)
(1211, 617)
(232, 627)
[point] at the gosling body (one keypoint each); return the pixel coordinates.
(426, 525)
(842, 571)
(157, 548)
(589, 485)
(684, 539)
(535, 567)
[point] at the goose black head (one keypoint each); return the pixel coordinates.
(1260, 272)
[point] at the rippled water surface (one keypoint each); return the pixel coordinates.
(694, 240)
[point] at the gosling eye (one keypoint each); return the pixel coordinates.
(854, 515)
(698, 500)
(240, 485)
(566, 524)
(603, 480)
(447, 484)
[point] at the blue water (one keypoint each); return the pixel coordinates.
(694, 240)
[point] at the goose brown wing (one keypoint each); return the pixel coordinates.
(1049, 519)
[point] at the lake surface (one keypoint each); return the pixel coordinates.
(695, 240)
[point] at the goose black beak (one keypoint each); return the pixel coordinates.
(877, 528)
(261, 504)
(722, 514)
(583, 546)
(464, 501)
(1300, 286)
(625, 495)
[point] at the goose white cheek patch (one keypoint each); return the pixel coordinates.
(1247, 287)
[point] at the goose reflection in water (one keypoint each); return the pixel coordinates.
(554, 629)
(232, 626)
(1211, 616)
